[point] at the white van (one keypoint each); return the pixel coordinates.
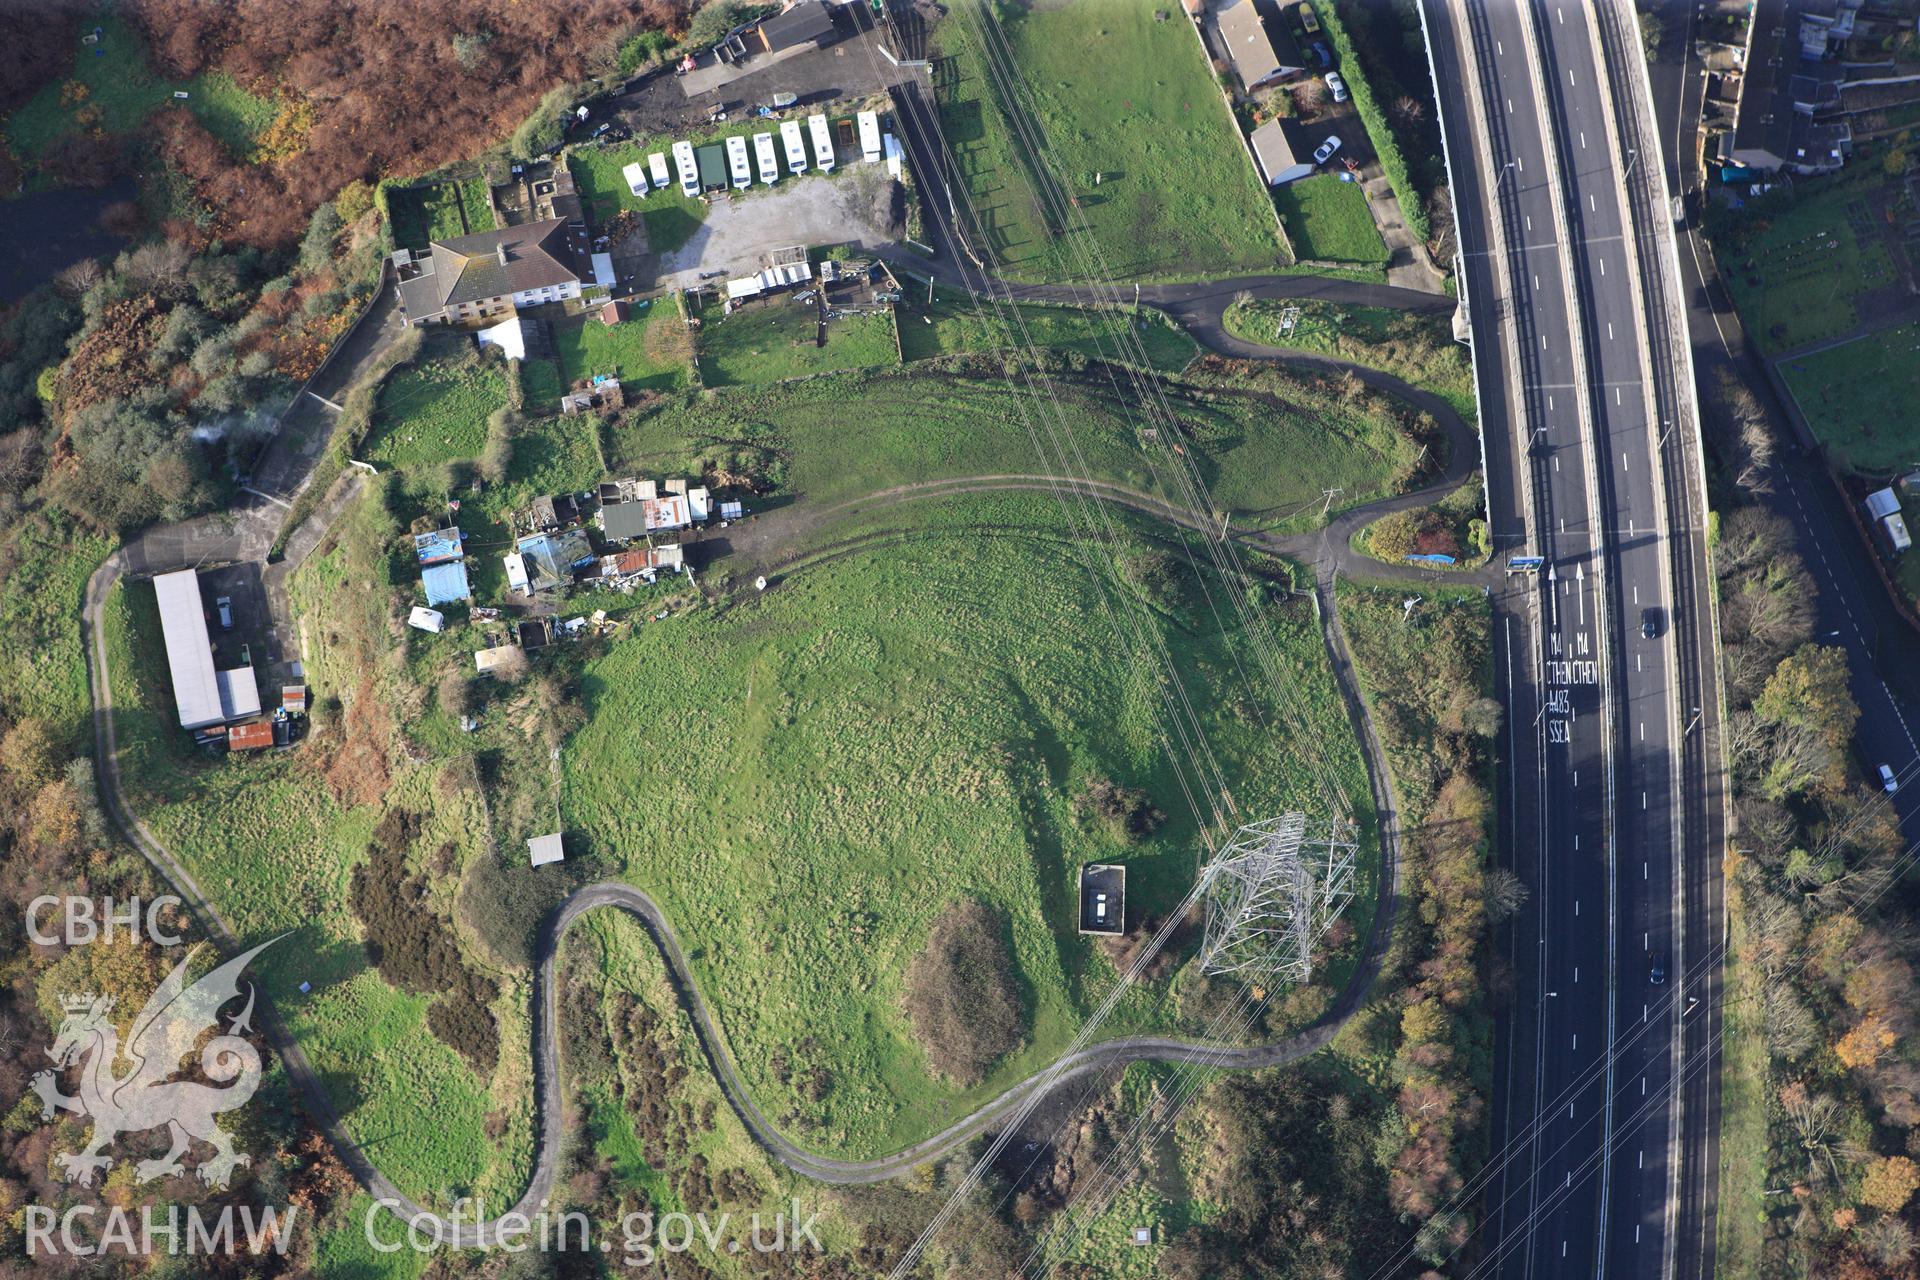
(822, 141)
(766, 158)
(796, 148)
(688, 167)
(739, 163)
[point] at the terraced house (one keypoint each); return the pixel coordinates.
(490, 274)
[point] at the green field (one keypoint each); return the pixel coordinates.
(1418, 349)
(779, 338)
(1328, 221)
(828, 765)
(436, 411)
(649, 352)
(833, 440)
(275, 852)
(1121, 90)
(115, 90)
(1859, 399)
(954, 324)
(438, 211)
(1799, 263)
(43, 672)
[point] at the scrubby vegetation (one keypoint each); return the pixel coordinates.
(962, 993)
(414, 948)
(1822, 988)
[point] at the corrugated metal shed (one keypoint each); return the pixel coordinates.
(255, 736)
(183, 624)
(438, 546)
(546, 849)
(239, 693)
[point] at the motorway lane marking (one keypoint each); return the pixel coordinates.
(1609, 331)
(1509, 106)
(1576, 1042)
(1583, 139)
(1499, 48)
(1591, 208)
(1603, 265)
(1570, 79)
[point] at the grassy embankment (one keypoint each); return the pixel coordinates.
(1418, 349)
(1176, 198)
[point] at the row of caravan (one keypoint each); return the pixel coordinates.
(764, 156)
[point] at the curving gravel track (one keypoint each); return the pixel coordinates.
(1328, 551)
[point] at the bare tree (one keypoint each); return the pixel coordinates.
(1506, 894)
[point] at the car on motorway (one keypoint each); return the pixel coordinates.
(1649, 624)
(225, 605)
(1324, 152)
(1888, 781)
(1657, 971)
(1336, 86)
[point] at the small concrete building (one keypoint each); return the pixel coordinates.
(1280, 160)
(1103, 899)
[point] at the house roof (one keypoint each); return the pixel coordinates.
(491, 264)
(550, 557)
(1249, 47)
(623, 520)
(446, 583)
(807, 22)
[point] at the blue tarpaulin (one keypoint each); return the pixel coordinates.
(1435, 558)
(446, 583)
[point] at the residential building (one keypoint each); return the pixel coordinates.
(1788, 80)
(487, 275)
(1260, 57)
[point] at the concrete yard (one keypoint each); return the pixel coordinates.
(841, 209)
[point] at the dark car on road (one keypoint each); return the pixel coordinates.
(1657, 973)
(1649, 623)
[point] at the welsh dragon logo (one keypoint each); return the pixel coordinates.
(146, 1096)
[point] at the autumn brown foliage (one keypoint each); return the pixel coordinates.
(390, 92)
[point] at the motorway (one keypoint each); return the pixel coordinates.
(1613, 804)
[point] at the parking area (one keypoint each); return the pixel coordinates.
(1103, 898)
(858, 205)
(666, 102)
(239, 623)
